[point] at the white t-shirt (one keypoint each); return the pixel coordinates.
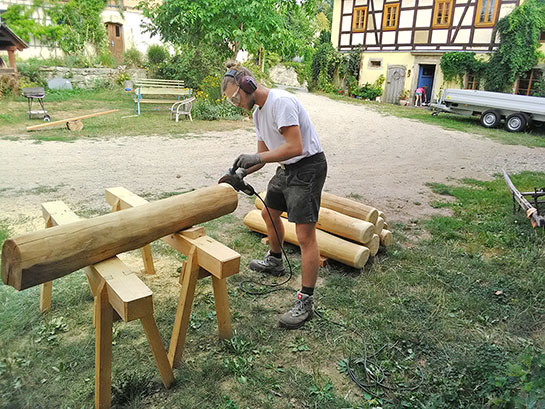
(282, 109)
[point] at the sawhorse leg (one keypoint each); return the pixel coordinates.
(222, 307)
(103, 349)
(183, 313)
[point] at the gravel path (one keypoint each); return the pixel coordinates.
(385, 160)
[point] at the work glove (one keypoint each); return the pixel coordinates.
(246, 161)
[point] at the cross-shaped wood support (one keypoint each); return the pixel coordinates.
(116, 290)
(205, 257)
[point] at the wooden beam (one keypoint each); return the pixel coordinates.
(66, 121)
(41, 256)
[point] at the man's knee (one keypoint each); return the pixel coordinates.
(275, 214)
(306, 234)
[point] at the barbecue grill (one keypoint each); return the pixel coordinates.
(36, 94)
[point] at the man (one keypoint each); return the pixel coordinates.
(284, 135)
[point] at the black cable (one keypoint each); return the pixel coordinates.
(276, 286)
(375, 378)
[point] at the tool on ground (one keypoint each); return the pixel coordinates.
(38, 94)
(518, 198)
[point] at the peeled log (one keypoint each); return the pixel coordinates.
(374, 245)
(349, 207)
(41, 256)
(379, 225)
(339, 224)
(386, 238)
(330, 246)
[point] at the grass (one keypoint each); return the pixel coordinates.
(64, 104)
(464, 303)
(531, 138)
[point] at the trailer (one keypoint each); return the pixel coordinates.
(517, 111)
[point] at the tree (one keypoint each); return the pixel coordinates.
(252, 25)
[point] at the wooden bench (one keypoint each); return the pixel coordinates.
(156, 91)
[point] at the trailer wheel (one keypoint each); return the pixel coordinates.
(490, 119)
(516, 122)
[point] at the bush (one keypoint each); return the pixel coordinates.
(8, 86)
(30, 72)
(157, 54)
(132, 58)
(192, 64)
(211, 86)
(106, 59)
(207, 110)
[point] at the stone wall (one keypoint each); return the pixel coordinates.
(90, 77)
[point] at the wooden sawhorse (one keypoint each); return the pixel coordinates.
(205, 257)
(115, 289)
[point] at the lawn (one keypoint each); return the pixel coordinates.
(451, 316)
(68, 104)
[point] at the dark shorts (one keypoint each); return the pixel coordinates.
(297, 189)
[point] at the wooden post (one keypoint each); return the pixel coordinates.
(103, 349)
(11, 58)
(183, 312)
(46, 290)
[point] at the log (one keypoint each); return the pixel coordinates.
(64, 121)
(330, 246)
(337, 223)
(76, 125)
(381, 214)
(374, 245)
(379, 225)
(386, 238)
(41, 256)
(349, 207)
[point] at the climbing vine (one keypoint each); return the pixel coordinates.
(75, 23)
(517, 53)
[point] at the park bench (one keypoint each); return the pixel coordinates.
(158, 91)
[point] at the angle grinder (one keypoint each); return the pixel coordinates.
(235, 179)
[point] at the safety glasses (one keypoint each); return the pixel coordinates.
(234, 99)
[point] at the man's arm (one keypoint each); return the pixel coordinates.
(261, 147)
(291, 148)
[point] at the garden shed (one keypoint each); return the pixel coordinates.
(10, 42)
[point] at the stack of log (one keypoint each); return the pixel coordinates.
(347, 231)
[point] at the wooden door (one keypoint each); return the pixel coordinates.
(394, 83)
(115, 40)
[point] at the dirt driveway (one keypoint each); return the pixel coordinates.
(384, 160)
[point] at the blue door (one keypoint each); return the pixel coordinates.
(425, 78)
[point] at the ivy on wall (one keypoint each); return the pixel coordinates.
(75, 23)
(517, 53)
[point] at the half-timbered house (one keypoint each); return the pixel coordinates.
(405, 39)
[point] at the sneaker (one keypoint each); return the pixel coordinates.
(270, 265)
(301, 312)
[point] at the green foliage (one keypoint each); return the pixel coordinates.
(455, 65)
(370, 91)
(323, 65)
(522, 384)
(8, 86)
(122, 77)
(157, 54)
(230, 25)
(77, 23)
(104, 58)
(30, 70)
(132, 58)
(300, 69)
(192, 64)
(519, 47)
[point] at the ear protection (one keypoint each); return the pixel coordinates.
(246, 82)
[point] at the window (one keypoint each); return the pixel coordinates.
(442, 13)
(528, 83)
(390, 16)
(472, 81)
(486, 13)
(542, 37)
(375, 63)
(359, 19)
(117, 31)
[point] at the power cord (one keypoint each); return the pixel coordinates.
(375, 374)
(276, 286)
